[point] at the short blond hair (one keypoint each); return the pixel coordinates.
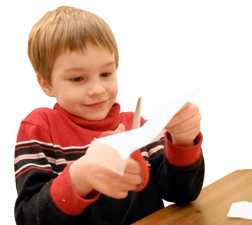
(66, 28)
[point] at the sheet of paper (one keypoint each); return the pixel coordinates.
(241, 209)
(127, 142)
(123, 144)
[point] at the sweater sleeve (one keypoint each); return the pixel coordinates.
(178, 171)
(45, 192)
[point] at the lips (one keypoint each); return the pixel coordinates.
(97, 104)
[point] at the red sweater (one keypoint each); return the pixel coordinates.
(50, 139)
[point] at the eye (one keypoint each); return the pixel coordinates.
(106, 74)
(77, 79)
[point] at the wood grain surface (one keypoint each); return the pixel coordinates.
(212, 205)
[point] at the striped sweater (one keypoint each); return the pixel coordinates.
(50, 139)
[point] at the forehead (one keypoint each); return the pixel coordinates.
(90, 57)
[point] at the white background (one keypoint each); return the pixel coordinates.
(166, 47)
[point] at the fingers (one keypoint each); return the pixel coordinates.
(131, 178)
(185, 125)
(119, 186)
(107, 181)
(186, 138)
(188, 111)
(133, 174)
(132, 166)
(129, 182)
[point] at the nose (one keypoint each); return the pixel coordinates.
(96, 88)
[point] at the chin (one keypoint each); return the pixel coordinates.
(96, 114)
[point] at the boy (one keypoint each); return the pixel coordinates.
(75, 57)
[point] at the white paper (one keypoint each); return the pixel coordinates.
(128, 141)
(241, 209)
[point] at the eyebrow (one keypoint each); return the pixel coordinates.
(112, 63)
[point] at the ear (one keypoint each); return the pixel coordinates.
(45, 85)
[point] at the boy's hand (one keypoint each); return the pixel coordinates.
(184, 127)
(88, 176)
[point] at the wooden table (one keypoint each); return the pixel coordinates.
(212, 205)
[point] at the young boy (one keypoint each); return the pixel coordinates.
(75, 57)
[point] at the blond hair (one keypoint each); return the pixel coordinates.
(66, 28)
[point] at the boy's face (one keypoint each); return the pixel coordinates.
(84, 83)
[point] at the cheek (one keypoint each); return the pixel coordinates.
(115, 92)
(68, 95)
(114, 89)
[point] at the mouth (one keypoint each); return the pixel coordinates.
(96, 104)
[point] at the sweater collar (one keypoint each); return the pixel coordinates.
(111, 121)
